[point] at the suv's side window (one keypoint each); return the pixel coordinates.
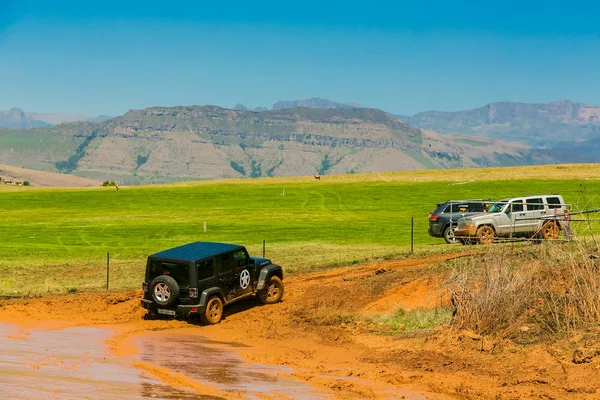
(206, 269)
(553, 202)
(516, 206)
(534, 204)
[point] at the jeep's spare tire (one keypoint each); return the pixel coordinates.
(165, 290)
(272, 292)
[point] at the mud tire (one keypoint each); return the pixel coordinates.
(214, 311)
(550, 231)
(273, 291)
(449, 234)
(485, 234)
(165, 290)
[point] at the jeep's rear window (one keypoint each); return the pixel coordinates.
(534, 204)
(553, 202)
(179, 271)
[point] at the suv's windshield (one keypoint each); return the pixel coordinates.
(179, 271)
(496, 207)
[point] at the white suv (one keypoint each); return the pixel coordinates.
(541, 216)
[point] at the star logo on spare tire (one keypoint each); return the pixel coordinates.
(244, 279)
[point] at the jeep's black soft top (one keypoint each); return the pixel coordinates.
(196, 251)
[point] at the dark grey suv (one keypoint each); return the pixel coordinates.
(444, 218)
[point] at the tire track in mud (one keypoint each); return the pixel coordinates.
(358, 270)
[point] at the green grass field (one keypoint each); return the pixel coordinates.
(54, 241)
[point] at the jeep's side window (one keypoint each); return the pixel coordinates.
(553, 202)
(240, 257)
(225, 263)
(534, 204)
(517, 206)
(206, 269)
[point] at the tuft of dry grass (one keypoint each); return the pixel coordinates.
(551, 289)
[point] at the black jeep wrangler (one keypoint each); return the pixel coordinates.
(200, 278)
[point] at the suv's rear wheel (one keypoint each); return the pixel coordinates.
(273, 291)
(550, 230)
(213, 312)
(165, 290)
(449, 234)
(485, 234)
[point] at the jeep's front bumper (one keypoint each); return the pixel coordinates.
(182, 310)
(469, 230)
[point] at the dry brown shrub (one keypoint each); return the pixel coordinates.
(552, 288)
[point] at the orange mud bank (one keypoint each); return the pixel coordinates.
(318, 343)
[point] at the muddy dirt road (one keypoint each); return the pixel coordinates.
(318, 343)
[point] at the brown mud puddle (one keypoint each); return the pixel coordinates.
(71, 363)
(219, 366)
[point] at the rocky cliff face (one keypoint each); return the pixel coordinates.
(162, 144)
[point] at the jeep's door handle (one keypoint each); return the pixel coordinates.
(543, 212)
(521, 214)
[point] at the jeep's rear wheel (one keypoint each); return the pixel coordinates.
(165, 290)
(485, 234)
(550, 230)
(449, 234)
(273, 291)
(214, 311)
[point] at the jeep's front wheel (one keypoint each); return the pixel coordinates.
(485, 234)
(273, 291)
(213, 312)
(165, 290)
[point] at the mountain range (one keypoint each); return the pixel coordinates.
(162, 144)
(313, 136)
(562, 125)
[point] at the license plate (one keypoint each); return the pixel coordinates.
(166, 312)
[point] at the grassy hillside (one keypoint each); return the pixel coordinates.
(55, 240)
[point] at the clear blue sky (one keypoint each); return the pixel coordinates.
(403, 57)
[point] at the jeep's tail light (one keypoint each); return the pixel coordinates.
(433, 217)
(145, 286)
(193, 292)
